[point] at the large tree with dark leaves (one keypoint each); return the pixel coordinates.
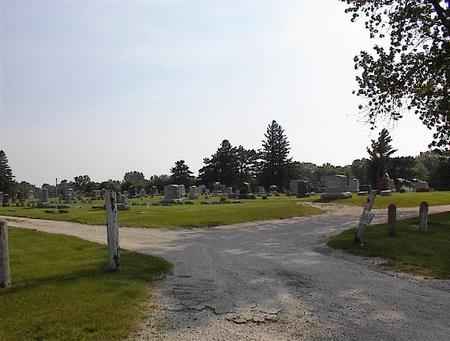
(380, 152)
(6, 175)
(181, 174)
(221, 167)
(275, 157)
(409, 70)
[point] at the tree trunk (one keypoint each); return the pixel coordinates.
(366, 218)
(112, 230)
(5, 274)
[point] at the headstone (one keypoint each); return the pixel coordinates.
(112, 230)
(300, 188)
(354, 185)
(68, 195)
(97, 194)
(173, 193)
(392, 219)
(260, 190)
(142, 193)
(5, 273)
(44, 195)
(5, 199)
(122, 202)
(386, 193)
(336, 187)
(193, 193)
(423, 217)
(273, 188)
(421, 186)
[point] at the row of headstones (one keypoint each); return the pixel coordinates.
(423, 218)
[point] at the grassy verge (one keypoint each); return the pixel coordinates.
(411, 199)
(61, 291)
(411, 251)
(195, 215)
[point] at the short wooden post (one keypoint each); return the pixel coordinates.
(5, 274)
(366, 218)
(423, 216)
(392, 219)
(112, 230)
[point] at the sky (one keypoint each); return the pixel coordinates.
(101, 87)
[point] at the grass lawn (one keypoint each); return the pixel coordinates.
(61, 291)
(411, 199)
(142, 214)
(411, 251)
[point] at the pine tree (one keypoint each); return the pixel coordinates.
(380, 151)
(181, 174)
(275, 157)
(6, 175)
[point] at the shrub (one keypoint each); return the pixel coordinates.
(188, 202)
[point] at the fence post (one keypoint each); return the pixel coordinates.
(423, 216)
(392, 219)
(112, 230)
(5, 274)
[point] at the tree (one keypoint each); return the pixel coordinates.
(133, 180)
(274, 157)
(181, 174)
(402, 167)
(6, 174)
(221, 167)
(247, 164)
(412, 72)
(380, 152)
(360, 170)
(83, 183)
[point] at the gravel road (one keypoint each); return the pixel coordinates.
(276, 281)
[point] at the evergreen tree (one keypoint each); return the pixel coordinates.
(380, 151)
(6, 175)
(274, 157)
(221, 167)
(181, 174)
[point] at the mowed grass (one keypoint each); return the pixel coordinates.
(61, 290)
(195, 215)
(422, 253)
(410, 199)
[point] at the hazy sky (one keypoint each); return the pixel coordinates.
(100, 87)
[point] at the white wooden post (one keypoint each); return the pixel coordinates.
(423, 217)
(112, 230)
(5, 274)
(366, 218)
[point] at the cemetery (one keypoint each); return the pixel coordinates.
(176, 170)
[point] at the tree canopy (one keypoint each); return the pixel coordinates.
(409, 67)
(6, 174)
(181, 174)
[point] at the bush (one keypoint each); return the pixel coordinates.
(188, 202)
(264, 197)
(63, 211)
(223, 199)
(204, 202)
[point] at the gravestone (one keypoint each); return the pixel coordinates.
(354, 185)
(273, 188)
(173, 193)
(423, 217)
(336, 187)
(193, 193)
(122, 202)
(5, 199)
(68, 195)
(392, 219)
(260, 190)
(421, 186)
(386, 193)
(44, 195)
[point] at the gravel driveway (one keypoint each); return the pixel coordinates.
(276, 281)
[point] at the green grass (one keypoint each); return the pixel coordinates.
(410, 199)
(423, 253)
(195, 215)
(62, 292)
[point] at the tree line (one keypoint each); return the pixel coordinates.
(270, 165)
